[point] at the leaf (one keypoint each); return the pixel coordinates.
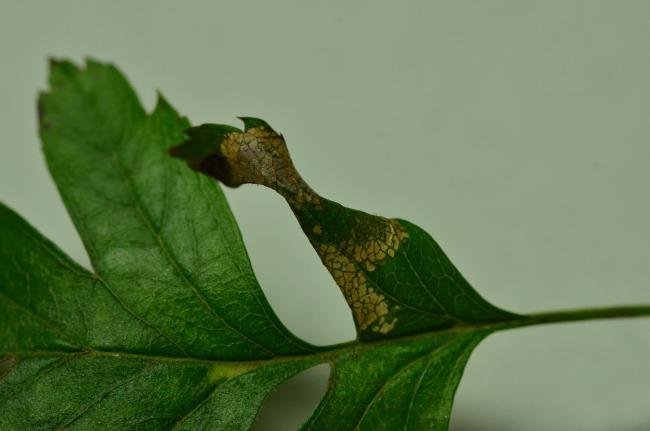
(395, 278)
(171, 330)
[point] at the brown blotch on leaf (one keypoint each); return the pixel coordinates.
(259, 156)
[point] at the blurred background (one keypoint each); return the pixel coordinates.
(516, 133)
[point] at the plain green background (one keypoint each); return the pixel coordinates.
(516, 132)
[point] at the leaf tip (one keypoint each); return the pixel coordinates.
(61, 71)
(91, 63)
(252, 123)
(161, 101)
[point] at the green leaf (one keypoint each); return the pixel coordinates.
(161, 239)
(171, 330)
(395, 278)
(409, 385)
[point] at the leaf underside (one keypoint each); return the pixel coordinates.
(171, 330)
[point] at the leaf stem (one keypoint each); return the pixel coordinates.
(575, 316)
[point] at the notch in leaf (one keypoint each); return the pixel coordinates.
(394, 276)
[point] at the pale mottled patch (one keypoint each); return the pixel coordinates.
(346, 262)
(382, 243)
(260, 156)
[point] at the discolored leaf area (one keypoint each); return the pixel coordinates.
(170, 330)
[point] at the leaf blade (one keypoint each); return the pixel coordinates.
(386, 387)
(175, 238)
(56, 292)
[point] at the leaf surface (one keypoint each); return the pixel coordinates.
(410, 385)
(156, 234)
(171, 330)
(72, 356)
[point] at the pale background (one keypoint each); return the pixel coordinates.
(516, 132)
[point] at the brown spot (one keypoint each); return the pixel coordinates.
(260, 156)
